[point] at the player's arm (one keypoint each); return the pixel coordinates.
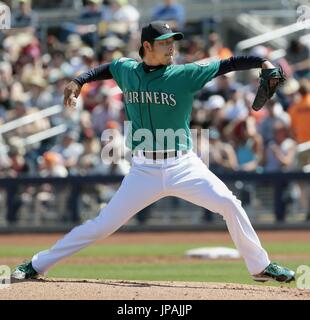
(271, 77)
(73, 88)
(243, 63)
(200, 72)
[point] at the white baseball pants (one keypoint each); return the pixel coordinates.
(186, 177)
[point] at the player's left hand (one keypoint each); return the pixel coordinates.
(271, 78)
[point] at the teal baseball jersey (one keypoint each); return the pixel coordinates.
(158, 104)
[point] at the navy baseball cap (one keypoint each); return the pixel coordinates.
(158, 30)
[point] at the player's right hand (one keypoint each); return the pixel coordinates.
(71, 92)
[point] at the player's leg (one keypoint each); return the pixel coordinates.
(194, 182)
(139, 189)
(197, 184)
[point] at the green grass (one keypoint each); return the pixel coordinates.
(201, 271)
(149, 250)
(198, 270)
(216, 271)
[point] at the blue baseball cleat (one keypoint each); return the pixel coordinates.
(276, 273)
(24, 271)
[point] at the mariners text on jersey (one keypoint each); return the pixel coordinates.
(150, 97)
(160, 100)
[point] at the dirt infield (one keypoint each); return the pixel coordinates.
(141, 290)
(64, 289)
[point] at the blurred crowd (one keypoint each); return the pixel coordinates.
(32, 79)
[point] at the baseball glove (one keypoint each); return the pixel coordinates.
(270, 81)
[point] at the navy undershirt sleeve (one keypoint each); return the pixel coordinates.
(101, 72)
(239, 63)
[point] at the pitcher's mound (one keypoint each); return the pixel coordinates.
(140, 290)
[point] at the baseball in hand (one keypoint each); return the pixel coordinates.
(73, 102)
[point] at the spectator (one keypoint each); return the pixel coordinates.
(70, 150)
(107, 110)
(90, 17)
(16, 157)
(236, 108)
(298, 56)
(90, 158)
(6, 73)
(248, 145)
(112, 47)
(58, 80)
(85, 125)
(5, 163)
(73, 45)
(48, 196)
(40, 97)
(281, 151)
(191, 50)
(24, 16)
(113, 161)
(288, 93)
(4, 100)
(222, 155)
(280, 156)
(215, 47)
(52, 165)
(259, 115)
(215, 106)
(274, 113)
(172, 12)
(92, 10)
(90, 94)
(300, 113)
(58, 62)
(88, 57)
(2, 111)
(225, 86)
(126, 16)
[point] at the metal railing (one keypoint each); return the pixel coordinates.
(75, 186)
(272, 35)
(40, 136)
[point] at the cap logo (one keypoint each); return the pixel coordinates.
(166, 26)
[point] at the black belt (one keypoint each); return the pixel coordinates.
(160, 155)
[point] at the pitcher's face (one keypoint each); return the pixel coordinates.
(162, 51)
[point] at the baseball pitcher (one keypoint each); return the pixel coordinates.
(158, 97)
